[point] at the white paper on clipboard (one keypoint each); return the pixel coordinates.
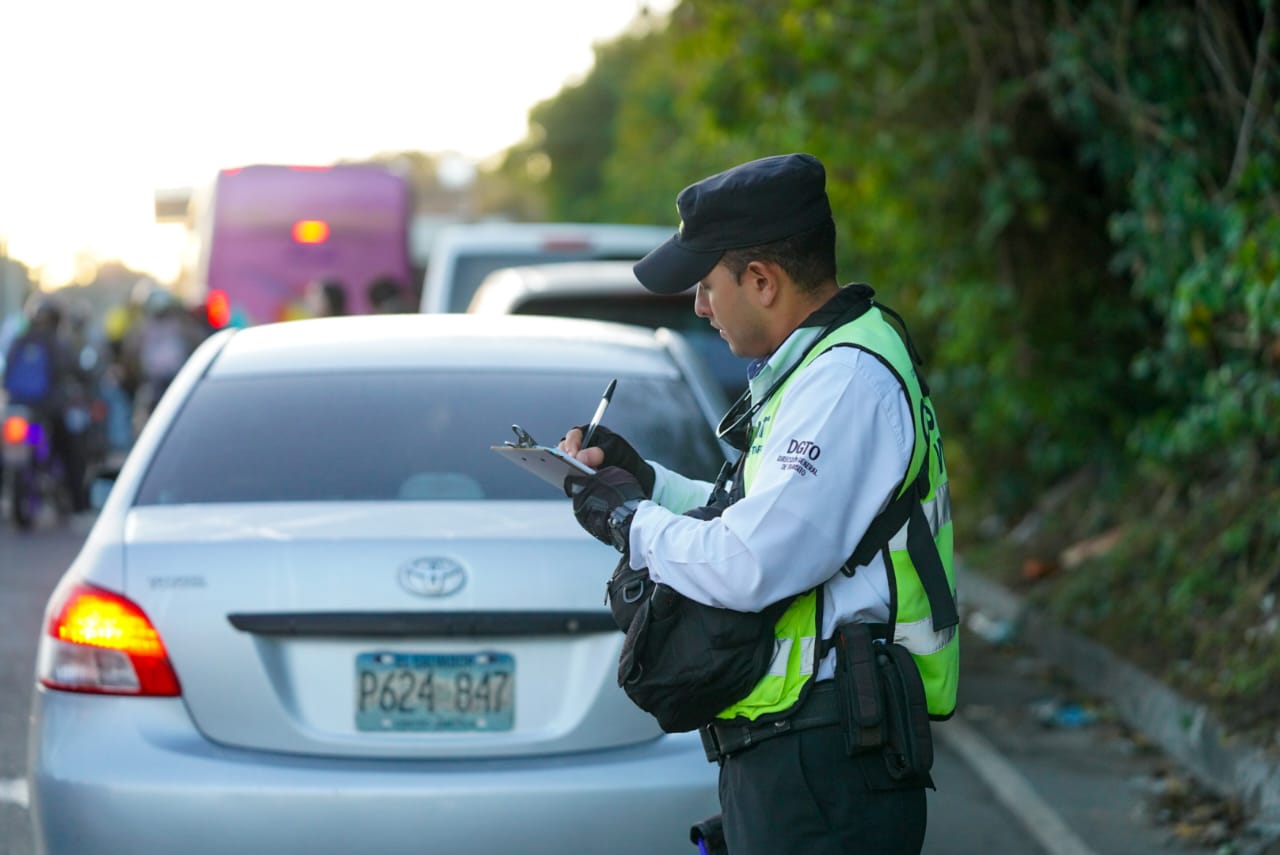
(550, 464)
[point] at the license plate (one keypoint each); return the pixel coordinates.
(435, 691)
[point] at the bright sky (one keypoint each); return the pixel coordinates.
(105, 102)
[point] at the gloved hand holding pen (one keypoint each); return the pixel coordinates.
(609, 449)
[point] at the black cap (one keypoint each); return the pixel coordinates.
(751, 204)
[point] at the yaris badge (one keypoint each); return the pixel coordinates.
(432, 577)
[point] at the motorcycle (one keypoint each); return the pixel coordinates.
(33, 478)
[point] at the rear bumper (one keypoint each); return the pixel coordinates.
(112, 775)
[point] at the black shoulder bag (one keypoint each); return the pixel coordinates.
(683, 662)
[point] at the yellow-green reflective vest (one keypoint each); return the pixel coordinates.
(798, 633)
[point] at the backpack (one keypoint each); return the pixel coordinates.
(28, 376)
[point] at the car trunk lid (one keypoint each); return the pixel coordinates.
(341, 629)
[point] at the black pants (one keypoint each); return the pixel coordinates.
(802, 794)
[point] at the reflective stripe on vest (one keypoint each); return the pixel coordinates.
(936, 653)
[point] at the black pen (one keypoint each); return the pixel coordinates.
(595, 420)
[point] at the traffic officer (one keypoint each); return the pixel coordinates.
(838, 435)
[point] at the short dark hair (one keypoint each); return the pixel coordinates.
(809, 257)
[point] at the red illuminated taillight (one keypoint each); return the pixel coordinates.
(311, 231)
(102, 642)
(15, 430)
(217, 309)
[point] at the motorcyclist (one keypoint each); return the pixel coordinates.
(116, 384)
(39, 369)
(86, 410)
(156, 349)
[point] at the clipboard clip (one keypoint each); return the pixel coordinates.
(523, 440)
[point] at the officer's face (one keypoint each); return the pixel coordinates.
(730, 306)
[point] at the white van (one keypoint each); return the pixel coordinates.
(463, 255)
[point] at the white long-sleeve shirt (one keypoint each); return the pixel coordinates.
(805, 513)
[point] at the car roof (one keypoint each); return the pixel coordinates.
(537, 235)
(503, 289)
(454, 341)
(493, 245)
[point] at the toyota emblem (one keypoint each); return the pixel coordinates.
(432, 577)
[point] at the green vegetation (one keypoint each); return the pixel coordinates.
(1077, 204)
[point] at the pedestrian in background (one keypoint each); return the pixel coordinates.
(326, 298)
(387, 296)
(156, 348)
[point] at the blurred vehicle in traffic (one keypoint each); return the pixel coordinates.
(261, 233)
(462, 255)
(317, 614)
(607, 291)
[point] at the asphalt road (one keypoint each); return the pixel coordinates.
(1006, 783)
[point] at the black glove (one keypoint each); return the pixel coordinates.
(604, 504)
(618, 452)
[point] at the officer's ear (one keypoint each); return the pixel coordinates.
(761, 279)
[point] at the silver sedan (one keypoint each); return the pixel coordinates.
(317, 614)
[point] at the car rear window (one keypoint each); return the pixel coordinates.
(470, 269)
(403, 436)
(672, 312)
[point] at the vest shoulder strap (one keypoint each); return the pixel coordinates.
(905, 509)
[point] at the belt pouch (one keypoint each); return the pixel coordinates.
(858, 685)
(908, 746)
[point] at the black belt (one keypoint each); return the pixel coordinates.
(820, 708)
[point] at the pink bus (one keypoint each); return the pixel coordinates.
(266, 231)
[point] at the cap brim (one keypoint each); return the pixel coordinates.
(673, 267)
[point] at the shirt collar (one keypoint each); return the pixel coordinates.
(763, 373)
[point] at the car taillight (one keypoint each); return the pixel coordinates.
(102, 642)
(218, 309)
(15, 430)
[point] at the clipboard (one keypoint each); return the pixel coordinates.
(550, 464)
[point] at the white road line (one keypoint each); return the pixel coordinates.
(14, 790)
(1012, 789)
